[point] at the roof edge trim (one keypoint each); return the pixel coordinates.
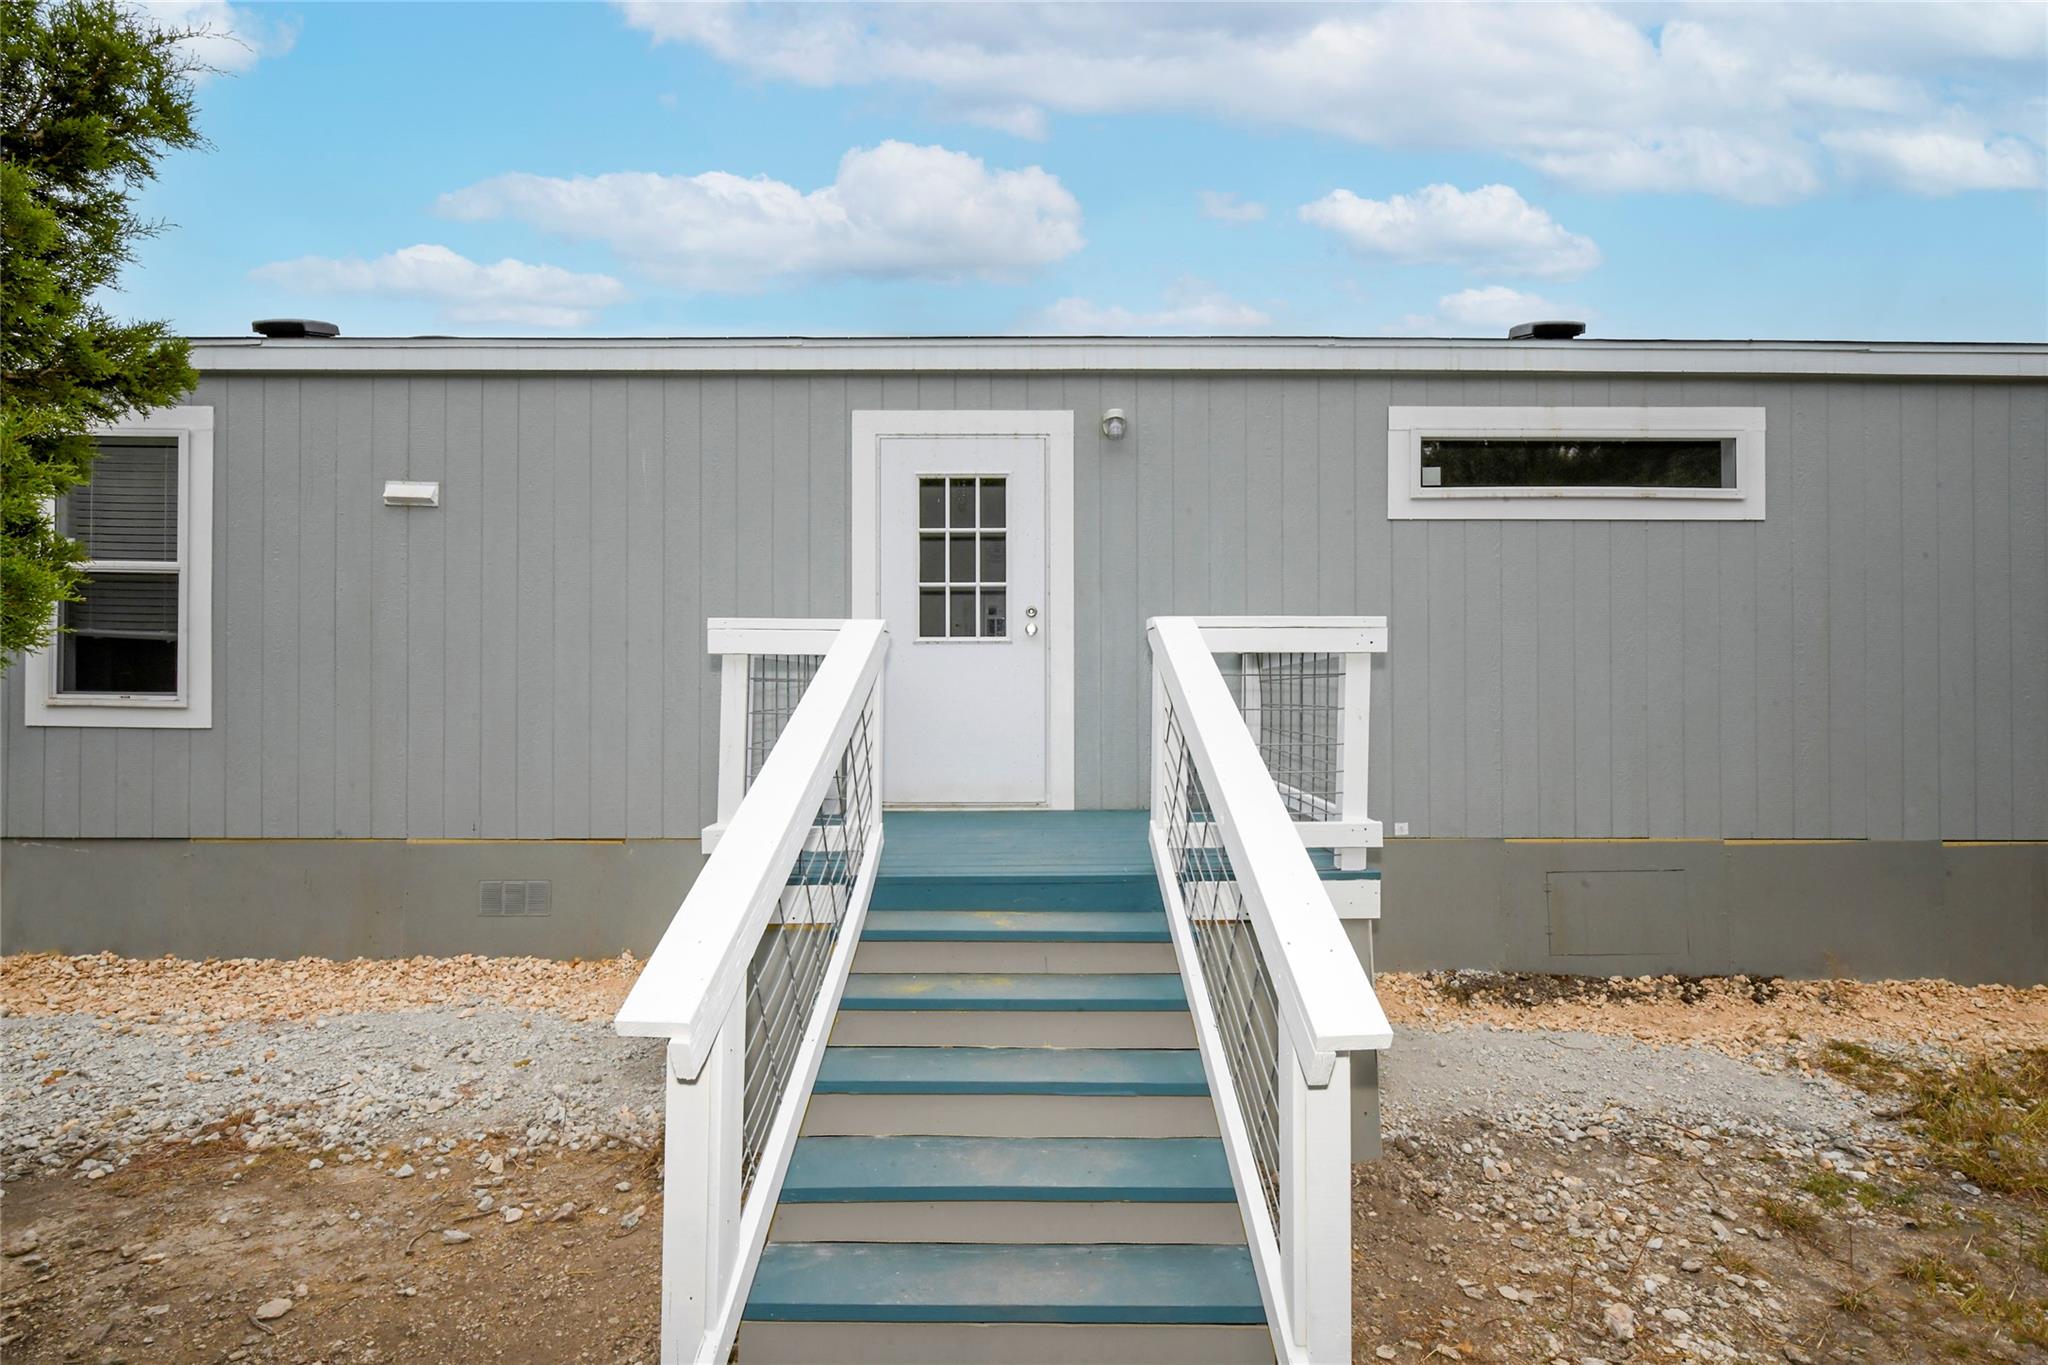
(446, 355)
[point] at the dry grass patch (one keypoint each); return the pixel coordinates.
(1831, 1188)
(1990, 1121)
(1986, 1118)
(2026, 1318)
(1734, 1262)
(1793, 1219)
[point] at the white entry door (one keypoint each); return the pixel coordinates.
(961, 575)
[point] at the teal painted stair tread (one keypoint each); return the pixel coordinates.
(1086, 843)
(1041, 891)
(1021, 992)
(1016, 926)
(829, 1170)
(1325, 861)
(1010, 1071)
(1016, 860)
(921, 1282)
(1213, 865)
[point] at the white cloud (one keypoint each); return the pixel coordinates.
(224, 38)
(1737, 101)
(507, 293)
(1491, 228)
(1494, 305)
(1487, 309)
(1189, 307)
(1226, 207)
(1938, 161)
(895, 210)
(1018, 120)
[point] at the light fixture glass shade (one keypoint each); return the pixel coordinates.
(1113, 424)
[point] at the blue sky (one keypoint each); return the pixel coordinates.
(484, 168)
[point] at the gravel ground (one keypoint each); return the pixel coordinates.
(1602, 1192)
(78, 1087)
(1548, 1076)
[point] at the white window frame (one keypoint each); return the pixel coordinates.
(191, 707)
(1408, 500)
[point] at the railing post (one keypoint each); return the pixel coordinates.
(1357, 737)
(1161, 708)
(732, 733)
(875, 750)
(1315, 1205)
(700, 1210)
(1254, 695)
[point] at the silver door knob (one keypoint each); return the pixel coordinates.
(1031, 620)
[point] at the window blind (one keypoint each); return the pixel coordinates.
(135, 606)
(130, 509)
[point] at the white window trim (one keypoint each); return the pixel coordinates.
(1408, 500)
(192, 707)
(1056, 428)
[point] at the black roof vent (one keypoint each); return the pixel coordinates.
(1545, 331)
(294, 327)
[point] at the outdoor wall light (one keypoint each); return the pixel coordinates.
(1113, 424)
(399, 493)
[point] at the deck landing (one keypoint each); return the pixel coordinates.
(1016, 860)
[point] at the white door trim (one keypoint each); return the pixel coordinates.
(1057, 428)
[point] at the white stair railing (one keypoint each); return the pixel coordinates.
(748, 975)
(1304, 687)
(1279, 998)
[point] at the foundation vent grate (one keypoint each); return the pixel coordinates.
(515, 898)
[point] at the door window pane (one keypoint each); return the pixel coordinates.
(994, 562)
(963, 559)
(931, 560)
(960, 504)
(994, 620)
(931, 502)
(931, 614)
(962, 613)
(991, 503)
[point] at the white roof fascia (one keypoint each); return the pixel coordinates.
(430, 355)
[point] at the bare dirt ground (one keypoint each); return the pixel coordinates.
(1649, 1236)
(1575, 1170)
(190, 1254)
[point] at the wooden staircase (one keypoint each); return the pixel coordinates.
(1010, 1152)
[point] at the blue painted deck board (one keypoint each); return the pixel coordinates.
(1016, 926)
(828, 1170)
(915, 1282)
(1325, 861)
(1010, 1071)
(1024, 991)
(1033, 843)
(1087, 859)
(1036, 892)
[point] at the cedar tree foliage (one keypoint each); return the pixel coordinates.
(92, 98)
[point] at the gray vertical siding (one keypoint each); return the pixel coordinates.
(527, 660)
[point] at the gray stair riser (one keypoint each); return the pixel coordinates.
(1008, 1221)
(941, 1343)
(1020, 1028)
(954, 1115)
(950, 955)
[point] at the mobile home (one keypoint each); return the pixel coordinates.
(439, 617)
